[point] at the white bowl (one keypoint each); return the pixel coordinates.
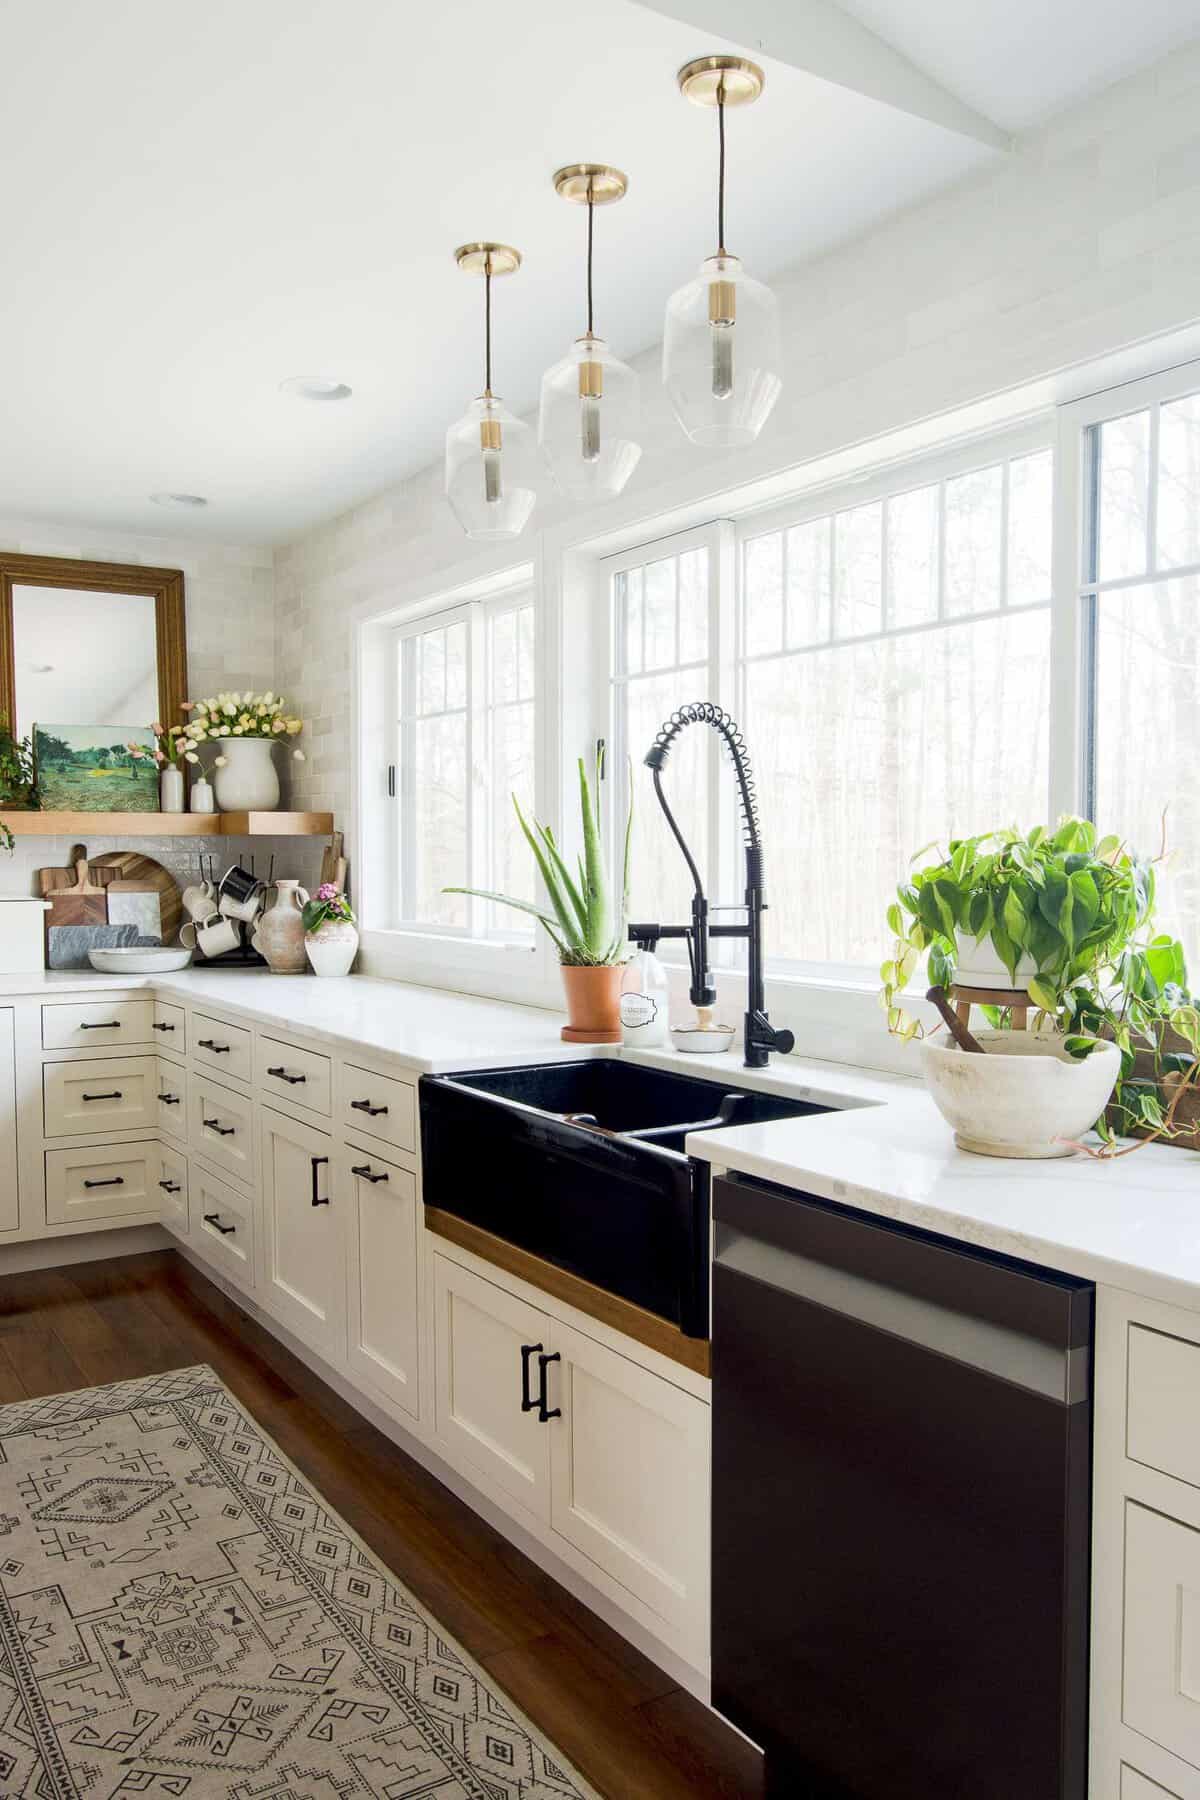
(707, 1042)
(1024, 1097)
(140, 959)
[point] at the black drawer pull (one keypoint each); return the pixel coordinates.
(318, 1199)
(365, 1106)
(115, 1095)
(214, 1219)
(170, 1187)
(113, 1181)
(546, 1413)
(527, 1351)
(169, 1099)
(216, 1125)
(157, 1027)
(282, 1075)
(107, 1025)
(368, 1173)
(209, 1044)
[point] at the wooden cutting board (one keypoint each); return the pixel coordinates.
(84, 902)
(51, 880)
(333, 862)
(141, 873)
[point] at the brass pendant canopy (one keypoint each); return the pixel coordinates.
(717, 80)
(594, 182)
(487, 259)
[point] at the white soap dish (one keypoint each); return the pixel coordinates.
(702, 1040)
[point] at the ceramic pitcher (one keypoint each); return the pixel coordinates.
(279, 934)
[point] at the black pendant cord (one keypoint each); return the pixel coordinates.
(487, 327)
(721, 172)
(591, 221)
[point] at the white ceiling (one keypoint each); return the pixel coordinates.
(199, 201)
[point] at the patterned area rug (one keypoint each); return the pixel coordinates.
(181, 1614)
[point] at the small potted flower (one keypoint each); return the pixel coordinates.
(244, 727)
(167, 754)
(330, 934)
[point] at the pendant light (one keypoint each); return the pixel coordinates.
(589, 414)
(491, 460)
(721, 351)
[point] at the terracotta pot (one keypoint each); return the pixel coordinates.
(593, 1004)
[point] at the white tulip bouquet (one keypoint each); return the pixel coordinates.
(231, 715)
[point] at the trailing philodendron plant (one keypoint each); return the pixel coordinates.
(587, 918)
(1070, 917)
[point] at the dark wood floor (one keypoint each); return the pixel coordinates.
(624, 1723)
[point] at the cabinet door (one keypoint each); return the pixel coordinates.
(629, 1475)
(479, 1335)
(382, 1245)
(300, 1267)
(8, 1124)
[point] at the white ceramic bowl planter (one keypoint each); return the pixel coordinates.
(977, 964)
(1024, 1097)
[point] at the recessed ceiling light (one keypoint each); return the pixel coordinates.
(315, 387)
(179, 500)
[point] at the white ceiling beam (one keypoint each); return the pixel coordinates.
(816, 36)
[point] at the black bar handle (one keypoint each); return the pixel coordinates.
(367, 1172)
(209, 1044)
(170, 1187)
(318, 1199)
(157, 1027)
(115, 1095)
(113, 1181)
(281, 1074)
(546, 1413)
(215, 1220)
(105, 1025)
(216, 1125)
(527, 1351)
(169, 1099)
(364, 1106)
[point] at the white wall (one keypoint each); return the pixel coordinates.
(1086, 239)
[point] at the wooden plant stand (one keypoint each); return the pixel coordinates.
(1016, 999)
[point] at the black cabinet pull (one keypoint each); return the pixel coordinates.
(318, 1199)
(106, 1025)
(208, 1044)
(367, 1172)
(158, 1027)
(546, 1413)
(169, 1187)
(214, 1220)
(282, 1075)
(528, 1403)
(169, 1099)
(113, 1181)
(115, 1095)
(216, 1125)
(365, 1106)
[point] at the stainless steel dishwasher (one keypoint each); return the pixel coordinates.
(901, 1506)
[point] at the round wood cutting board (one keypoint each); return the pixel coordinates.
(143, 872)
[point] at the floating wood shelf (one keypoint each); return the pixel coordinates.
(147, 824)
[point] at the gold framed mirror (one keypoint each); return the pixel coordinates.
(90, 642)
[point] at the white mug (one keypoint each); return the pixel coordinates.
(199, 900)
(246, 910)
(216, 936)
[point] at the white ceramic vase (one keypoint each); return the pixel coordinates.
(332, 947)
(977, 964)
(202, 799)
(279, 934)
(170, 789)
(248, 781)
(1025, 1097)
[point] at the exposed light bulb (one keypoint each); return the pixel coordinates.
(591, 389)
(489, 443)
(722, 312)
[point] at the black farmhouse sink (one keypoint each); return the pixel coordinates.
(583, 1164)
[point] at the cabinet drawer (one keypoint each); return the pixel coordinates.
(381, 1105)
(98, 1025)
(1163, 1428)
(226, 1049)
(119, 1094)
(170, 1027)
(302, 1076)
(1161, 1685)
(101, 1183)
(1140, 1787)
(172, 1099)
(173, 1190)
(223, 1225)
(222, 1126)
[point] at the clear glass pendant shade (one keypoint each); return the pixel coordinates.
(491, 471)
(589, 420)
(721, 354)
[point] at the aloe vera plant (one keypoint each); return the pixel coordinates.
(586, 920)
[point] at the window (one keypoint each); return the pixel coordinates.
(893, 683)
(1140, 626)
(465, 744)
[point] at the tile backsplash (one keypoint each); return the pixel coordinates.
(298, 858)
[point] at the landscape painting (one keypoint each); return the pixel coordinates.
(96, 768)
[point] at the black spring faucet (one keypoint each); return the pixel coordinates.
(759, 1035)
